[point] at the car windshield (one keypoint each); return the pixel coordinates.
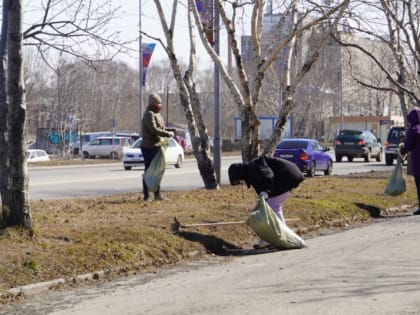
(350, 132)
(292, 145)
(396, 134)
(137, 144)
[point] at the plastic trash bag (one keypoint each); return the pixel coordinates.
(265, 223)
(154, 173)
(396, 183)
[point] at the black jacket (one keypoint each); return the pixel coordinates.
(272, 175)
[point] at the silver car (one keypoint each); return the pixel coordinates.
(110, 147)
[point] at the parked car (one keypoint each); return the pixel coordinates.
(132, 157)
(110, 147)
(36, 155)
(396, 135)
(86, 139)
(308, 154)
(133, 136)
(357, 144)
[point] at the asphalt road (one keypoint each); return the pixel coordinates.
(372, 269)
(94, 180)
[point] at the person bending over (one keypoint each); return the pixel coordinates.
(275, 176)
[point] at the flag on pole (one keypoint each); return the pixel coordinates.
(205, 9)
(147, 50)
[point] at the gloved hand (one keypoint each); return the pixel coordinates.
(264, 195)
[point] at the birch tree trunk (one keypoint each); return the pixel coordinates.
(189, 98)
(4, 166)
(19, 214)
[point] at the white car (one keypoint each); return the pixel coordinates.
(35, 155)
(133, 156)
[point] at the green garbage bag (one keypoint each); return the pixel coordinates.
(265, 223)
(396, 183)
(154, 173)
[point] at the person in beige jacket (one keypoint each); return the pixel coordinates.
(153, 128)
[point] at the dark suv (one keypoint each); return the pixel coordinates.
(396, 135)
(356, 143)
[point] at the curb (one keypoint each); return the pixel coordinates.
(35, 288)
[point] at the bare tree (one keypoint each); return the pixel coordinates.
(18, 210)
(396, 24)
(188, 95)
(295, 22)
(78, 24)
(4, 108)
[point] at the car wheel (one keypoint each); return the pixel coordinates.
(389, 160)
(127, 168)
(366, 157)
(114, 155)
(85, 155)
(379, 156)
(338, 158)
(328, 171)
(350, 158)
(311, 171)
(178, 163)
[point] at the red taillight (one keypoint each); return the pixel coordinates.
(361, 142)
(386, 144)
(303, 156)
(337, 142)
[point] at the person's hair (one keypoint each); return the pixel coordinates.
(235, 173)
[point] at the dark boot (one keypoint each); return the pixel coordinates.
(146, 196)
(417, 212)
(158, 196)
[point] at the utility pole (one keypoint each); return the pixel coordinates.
(140, 72)
(216, 142)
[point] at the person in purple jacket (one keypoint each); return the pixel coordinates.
(412, 144)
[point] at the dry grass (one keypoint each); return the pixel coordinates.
(123, 233)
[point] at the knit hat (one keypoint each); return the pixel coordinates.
(154, 99)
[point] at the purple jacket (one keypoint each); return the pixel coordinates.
(412, 141)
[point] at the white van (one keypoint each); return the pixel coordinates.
(109, 147)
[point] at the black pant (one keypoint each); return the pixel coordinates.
(417, 181)
(148, 155)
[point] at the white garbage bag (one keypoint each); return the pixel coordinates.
(265, 223)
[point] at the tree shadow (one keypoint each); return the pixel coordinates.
(374, 212)
(220, 247)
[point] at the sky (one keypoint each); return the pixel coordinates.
(150, 24)
(129, 26)
(127, 23)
